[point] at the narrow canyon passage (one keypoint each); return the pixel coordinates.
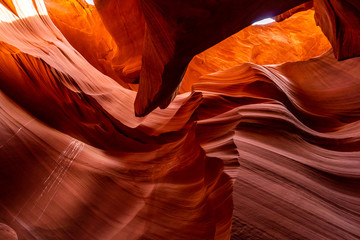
(155, 119)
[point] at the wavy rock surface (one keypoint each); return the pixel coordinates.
(270, 44)
(140, 169)
(77, 164)
(299, 145)
(305, 184)
(340, 22)
(82, 26)
(178, 30)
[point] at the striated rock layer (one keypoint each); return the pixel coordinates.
(245, 151)
(299, 145)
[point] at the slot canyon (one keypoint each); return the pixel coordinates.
(179, 119)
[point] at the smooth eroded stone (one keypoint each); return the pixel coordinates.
(7, 233)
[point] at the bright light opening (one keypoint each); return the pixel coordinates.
(264, 21)
(90, 2)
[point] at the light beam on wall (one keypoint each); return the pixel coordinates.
(264, 21)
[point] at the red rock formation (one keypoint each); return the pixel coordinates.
(75, 162)
(178, 30)
(128, 32)
(340, 22)
(89, 32)
(7, 233)
(299, 8)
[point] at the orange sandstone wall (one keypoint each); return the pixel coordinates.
(246, 150)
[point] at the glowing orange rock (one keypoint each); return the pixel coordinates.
(83, 28)
(75, 162)
(270, 44)
(125, 21)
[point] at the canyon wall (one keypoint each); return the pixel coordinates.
(179, 120)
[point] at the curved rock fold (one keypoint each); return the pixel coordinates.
(258, 136)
